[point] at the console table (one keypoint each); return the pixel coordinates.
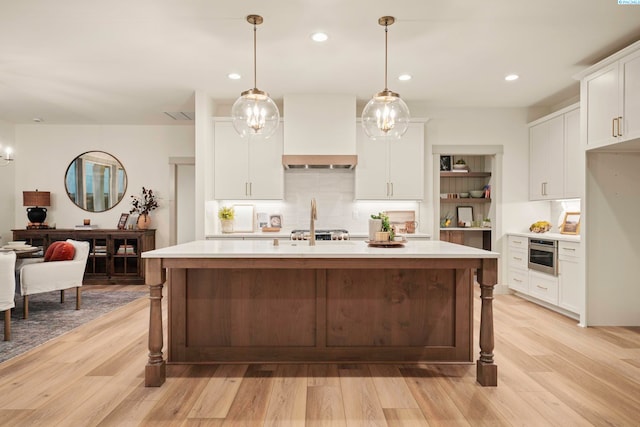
(114, 255)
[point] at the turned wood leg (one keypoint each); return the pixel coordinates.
(62, 296)
(487, 371)
(78, 297)
(7, 324)
(25, 306)
(155, 371)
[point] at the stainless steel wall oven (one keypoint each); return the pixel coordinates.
(543, 255)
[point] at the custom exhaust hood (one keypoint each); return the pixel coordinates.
(319, 131)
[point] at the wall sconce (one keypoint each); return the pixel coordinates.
(7, 157)
(37, 199)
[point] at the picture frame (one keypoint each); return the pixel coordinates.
(275, 221)
(445, 163)
(263, 219)
(465, 215)
(122, 223)
(570, 223)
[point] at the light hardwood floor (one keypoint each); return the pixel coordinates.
(550, 373)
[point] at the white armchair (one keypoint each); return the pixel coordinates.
(7, 289)
(55, 276)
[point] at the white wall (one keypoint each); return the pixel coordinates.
(7, 196)
(45, 151)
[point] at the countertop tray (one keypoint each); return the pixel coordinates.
(385, 244)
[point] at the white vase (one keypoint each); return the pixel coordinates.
(226, 225)
(375, 225)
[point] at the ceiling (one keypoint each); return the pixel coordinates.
(127, 62)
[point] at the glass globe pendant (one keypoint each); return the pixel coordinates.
(254, 112)
(386, 115)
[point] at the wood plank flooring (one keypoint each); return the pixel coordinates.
(550, 373)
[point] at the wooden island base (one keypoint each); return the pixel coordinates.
(319, 310)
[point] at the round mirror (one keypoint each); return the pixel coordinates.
(95, 181)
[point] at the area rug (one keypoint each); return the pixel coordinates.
(49, 319)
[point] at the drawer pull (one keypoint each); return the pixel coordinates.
(517, 280)
(517, 258)
(619, 123)
(569, 249)
(542, 287)
(613, 127)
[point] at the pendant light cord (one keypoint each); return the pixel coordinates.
(255, 70)
(386, 30)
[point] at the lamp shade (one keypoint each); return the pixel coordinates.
(36, 198)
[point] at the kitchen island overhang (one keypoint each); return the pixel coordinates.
(252, 302)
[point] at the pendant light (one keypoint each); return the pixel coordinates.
(254, 112)
(385, 115)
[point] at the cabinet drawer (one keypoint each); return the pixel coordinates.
(517, 258)
(518, 280)
(518, 242)
(543, 286)
(568, 251)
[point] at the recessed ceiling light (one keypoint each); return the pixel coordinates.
(404, 77)
(38, 119)
(511, 77)
(234, 76)
(319, 37)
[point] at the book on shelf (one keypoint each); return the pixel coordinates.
(460, 170)
(85, 227)
(126, 249)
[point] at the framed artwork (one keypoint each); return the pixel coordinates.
(263, 219)
(275, 221)
(465, 216)
(445, 163)
(571, 223)
(122, 223)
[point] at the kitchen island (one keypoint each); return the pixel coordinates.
(246, 301)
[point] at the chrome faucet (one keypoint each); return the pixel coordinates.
(312, 225)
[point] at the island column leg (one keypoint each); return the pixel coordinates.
(487, 370)
(155, 371)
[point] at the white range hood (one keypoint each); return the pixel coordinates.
(319, 131)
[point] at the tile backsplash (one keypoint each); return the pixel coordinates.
(333, 190)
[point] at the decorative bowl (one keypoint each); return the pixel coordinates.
(459, 167)
(464, 195)
(476, 193)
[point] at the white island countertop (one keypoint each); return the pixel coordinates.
(296, 249)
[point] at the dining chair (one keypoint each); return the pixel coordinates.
(7, 289)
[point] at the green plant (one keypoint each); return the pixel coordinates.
(226, 213)
(460, 162)
(386, 226)
(144, 204)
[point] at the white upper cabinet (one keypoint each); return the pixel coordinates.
(392, 169)
(247, 168)
(556, 159)
(610, 95)
(546, 159)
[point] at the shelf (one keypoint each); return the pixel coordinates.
(465, 174)
(466, 200)
(465, 229)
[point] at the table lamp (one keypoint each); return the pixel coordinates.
(37, 199)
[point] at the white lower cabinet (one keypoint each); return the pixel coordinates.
(543, 286)
(564, 292)
(517, 272)
(570, 276)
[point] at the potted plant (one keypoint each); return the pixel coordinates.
(460, 164)
(143, 205)
(385, 227)
(226, 215)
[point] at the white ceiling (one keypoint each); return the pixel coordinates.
(128, 61)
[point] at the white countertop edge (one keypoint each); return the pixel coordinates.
(547, 235)
(220, 249)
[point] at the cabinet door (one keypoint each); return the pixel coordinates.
(372, 170)
(571, 284)
(231, 160)
(546, 157)
(406, 164)
(630, 69)
(602, 106)
(266, 173)
(573, 156)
